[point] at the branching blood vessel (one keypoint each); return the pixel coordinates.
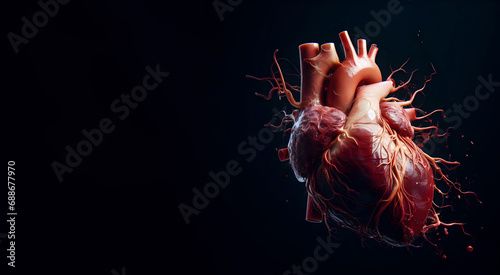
(353, 145)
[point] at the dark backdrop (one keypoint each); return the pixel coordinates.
(117, 211)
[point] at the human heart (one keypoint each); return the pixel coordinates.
(353, 146)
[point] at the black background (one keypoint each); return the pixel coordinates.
(119, 207)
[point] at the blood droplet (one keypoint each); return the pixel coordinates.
(470, 248)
